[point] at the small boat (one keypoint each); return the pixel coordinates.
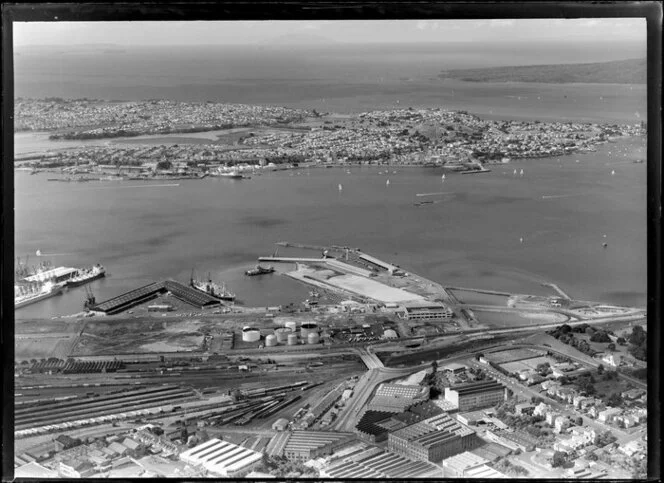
(613, 172)
(521, 240)
(605, 244)
(258, 270)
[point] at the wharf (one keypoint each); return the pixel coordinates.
(292, 260)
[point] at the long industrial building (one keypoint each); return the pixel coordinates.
(433, 439)
(476, 395)
(426, 311)
(222, 458)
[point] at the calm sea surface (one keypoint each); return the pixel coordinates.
(143, 233)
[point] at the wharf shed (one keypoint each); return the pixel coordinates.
(426, 311)
(148, 292)
(379, 263)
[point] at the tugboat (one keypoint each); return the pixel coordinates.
(211, 288)
(258, 270)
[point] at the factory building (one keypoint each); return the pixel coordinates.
(433, 439)
(396, 398)
(222, 458)
(305, 445)
(476, 395)
(434, 312)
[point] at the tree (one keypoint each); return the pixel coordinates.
(164, 165)
(638, 335)
(600, 370)
(579, 421)
(600, 336)
(559, 459)
(621, 341)
(611, 347)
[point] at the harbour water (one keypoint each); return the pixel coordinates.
(471, 238)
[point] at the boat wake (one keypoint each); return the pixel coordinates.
(549, 197)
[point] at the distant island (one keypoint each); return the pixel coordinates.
(631, 71)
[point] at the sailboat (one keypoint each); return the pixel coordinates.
(521, 172)
(515, 172)
(341, 188)
(442, 177)
(387, 183)
(613, 172)
(38, 253)
(521, 240)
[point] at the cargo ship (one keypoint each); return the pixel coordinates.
(24, 295)
(258, 270)
(211, 288)
(86, 275)
(229, 174)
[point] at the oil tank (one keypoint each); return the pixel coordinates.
(271, 340)
(282, 334)
(313, 338)
(292, 325)
(250, 334)
(308, 328)
(292, 339)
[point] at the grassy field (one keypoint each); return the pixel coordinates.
(479, 298)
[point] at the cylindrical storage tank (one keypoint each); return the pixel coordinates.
(249, 334)
(282, 334)
(313, 338)
(308, 328)
(271, 340)
(292, 339)
(292, 325)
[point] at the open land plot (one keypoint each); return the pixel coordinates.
(479, 298)
(513, 355)
(30, 326)
(518, 319)
(26, 348)
(526, 364)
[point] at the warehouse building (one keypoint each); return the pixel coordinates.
(433, 439)
(223, 459)
(476, 395)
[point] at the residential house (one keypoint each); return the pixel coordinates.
(561, 425)
(541, 409)
(608, 414)
(524, 408)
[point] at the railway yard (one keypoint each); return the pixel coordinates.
(233, 373)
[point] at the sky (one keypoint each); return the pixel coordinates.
(334, 32)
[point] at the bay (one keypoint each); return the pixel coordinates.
(471, 238)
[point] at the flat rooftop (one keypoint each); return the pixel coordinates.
(372, 289)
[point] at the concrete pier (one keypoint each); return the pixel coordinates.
(557, 289)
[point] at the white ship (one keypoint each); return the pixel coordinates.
(25, 295)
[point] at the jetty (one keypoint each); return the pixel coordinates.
(557, 289)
